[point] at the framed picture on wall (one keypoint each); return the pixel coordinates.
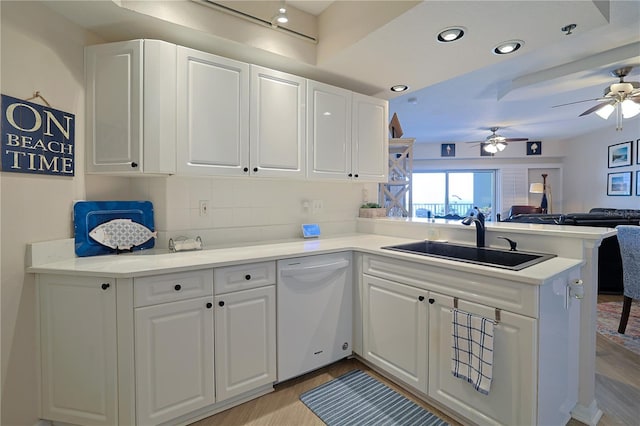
(619, 183)
(638, 182)
(620, 154)
(638, 152)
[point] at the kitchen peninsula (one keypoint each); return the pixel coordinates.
(533, 302)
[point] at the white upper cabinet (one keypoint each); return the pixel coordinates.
(213, 114)
(278, 139)
(370, 141)
(328, 131)
(346, 134)
(130, 107)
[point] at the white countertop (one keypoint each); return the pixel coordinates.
(153, 263)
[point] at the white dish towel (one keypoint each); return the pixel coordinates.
(472, 350)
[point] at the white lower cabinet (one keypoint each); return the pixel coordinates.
(245, 342)
(78, 349)
(174, 359)
(511, 400)
(395, 329)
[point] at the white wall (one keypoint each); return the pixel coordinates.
(40, 51)
(585, 167)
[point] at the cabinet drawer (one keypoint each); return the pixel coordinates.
(241, 277)
(171, 287)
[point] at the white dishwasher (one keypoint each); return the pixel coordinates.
(314, 312)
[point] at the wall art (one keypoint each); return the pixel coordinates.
(448, 150)
(36, 139)
(534, 148)
(620, 154)
(619, 183)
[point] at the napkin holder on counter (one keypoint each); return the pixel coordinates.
(185, 244)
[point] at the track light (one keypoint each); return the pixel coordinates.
(281, 16)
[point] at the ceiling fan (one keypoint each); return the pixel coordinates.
(494, 142)
(623, 96)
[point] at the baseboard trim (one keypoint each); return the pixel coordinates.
(588, 415)
(41, 422)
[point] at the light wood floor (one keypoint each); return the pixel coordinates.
(617, 392)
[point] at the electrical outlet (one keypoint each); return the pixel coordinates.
(204, 207)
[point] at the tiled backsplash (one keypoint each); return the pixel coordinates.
(247, 209)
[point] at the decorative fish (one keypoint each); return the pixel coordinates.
(121, 234)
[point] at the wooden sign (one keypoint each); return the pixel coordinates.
(36, 139)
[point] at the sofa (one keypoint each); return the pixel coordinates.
(609, 260)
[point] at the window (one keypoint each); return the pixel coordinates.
(452, 194)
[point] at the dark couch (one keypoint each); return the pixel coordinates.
(609, 260)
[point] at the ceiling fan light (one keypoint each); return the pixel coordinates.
(501, 146)
(605, 111)
(491, 148)
(629, 108)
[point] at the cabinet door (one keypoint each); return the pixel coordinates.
(512, 396)
(395, 329)
(174, 359)
(370, 141)
(213, 114)
(114, 106)
(278, 138)
(78, 349)
(328, 132)
(245, 341)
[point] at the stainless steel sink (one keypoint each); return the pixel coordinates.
(513, 260)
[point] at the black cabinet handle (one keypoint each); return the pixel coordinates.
(246, 169)
(134, 164)
(209, 305)
(177, 287)
(105, 286)
(247, 277)
(356, 175)
(421, 298)
(221, 303)
(255, 170)
(432, 301)
(350, 175)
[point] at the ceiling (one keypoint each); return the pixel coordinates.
(458, 90)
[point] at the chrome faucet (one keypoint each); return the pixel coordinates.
(478, 219)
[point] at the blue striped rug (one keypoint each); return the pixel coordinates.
(355, 398)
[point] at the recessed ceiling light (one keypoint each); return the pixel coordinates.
(451, 34)
(507, 47)
(399, 88)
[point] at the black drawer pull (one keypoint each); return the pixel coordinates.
(209, 305)
(246, 169)
(432, 301)
(105, 286)
(255, 169)
(221, 303)
(134, 164)
(177, 287)
(421, 298)
(247, 277)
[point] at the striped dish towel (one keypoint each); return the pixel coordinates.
(472, 350)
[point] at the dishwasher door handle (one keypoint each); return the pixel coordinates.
(304, 269)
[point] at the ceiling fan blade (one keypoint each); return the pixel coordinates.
(579, 102)
(595, 108)
(516, 139)
(476, 142)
